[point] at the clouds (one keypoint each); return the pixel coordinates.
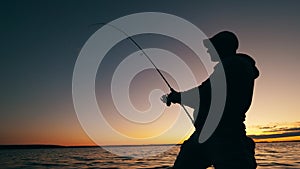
(266, 136)
(274, 131)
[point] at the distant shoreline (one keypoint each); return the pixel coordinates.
(296, 141)
(40, 146)
(49, 146)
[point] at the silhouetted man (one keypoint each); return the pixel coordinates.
(228, 147)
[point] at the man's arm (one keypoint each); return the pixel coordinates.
(190, 97)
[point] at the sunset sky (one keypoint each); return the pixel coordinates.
(40, 42)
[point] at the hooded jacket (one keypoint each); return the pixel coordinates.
(240, 73)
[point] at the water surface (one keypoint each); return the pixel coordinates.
(268, 155)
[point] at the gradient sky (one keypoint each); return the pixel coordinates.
(40, 42)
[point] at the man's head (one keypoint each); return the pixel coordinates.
(225, 44)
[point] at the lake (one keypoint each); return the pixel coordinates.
(268, 156)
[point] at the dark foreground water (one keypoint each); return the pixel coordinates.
(268, 155)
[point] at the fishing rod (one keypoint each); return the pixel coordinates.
(145, 54)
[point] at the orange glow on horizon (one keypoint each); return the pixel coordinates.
(280, 139)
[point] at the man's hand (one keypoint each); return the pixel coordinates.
(164, 99)
(173, 97)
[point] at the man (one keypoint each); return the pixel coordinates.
(228, 147)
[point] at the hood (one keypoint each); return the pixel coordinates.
(250, 62)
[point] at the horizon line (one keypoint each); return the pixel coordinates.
(40, 146)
